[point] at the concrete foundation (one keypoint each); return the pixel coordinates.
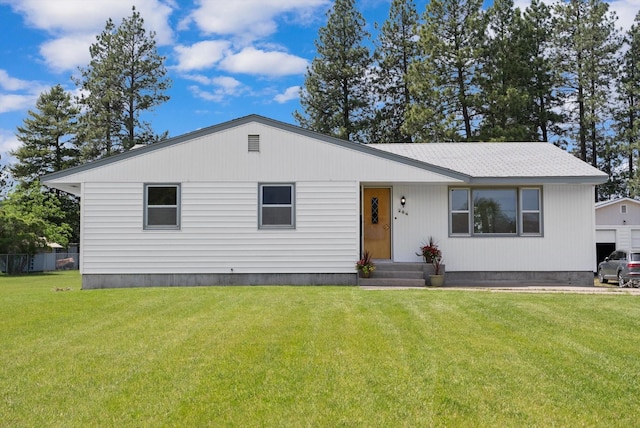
(581, 278)
(97, 281)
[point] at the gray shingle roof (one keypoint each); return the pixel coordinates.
(498, 160)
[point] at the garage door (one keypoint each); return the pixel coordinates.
(604, 235)
(635, 238)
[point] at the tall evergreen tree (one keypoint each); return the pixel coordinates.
(543, 77)
(47, 136)
(503, 78)
(126, 77)
(144, 79)
(396, 50)
(49, 144)
(102, 97)
(586, 46)
(336, 98)
(627, 113)
(442, 82)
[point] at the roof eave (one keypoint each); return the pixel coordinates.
(593, 180)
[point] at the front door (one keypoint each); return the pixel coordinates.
(377, 222)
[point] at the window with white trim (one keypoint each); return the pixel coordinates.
(276, 206)
(500, 211)
(162, 206)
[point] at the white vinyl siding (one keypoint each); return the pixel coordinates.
(219, 231)
(427, 216)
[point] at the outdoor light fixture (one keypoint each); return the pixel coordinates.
(403, 201)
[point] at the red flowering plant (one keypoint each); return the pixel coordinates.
(430, 251)
(365, 264)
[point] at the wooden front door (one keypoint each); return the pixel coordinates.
(377, 222)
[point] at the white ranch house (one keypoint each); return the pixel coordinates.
(257, 201)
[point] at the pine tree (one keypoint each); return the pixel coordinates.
(335, 98)
(503, 78)
(543, 77)
(126, 77)
(442, 81)
(144, 81)
(628, 109)
(47, 137)
(102, 97)
(586, 46)
(396, 50)
(49, 144)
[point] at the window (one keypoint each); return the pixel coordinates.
(162, 206)
(530, 212)
(459, 211)
(623, 209)
(495, 211)
(277, 203)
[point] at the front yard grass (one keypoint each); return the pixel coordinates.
(313, 356)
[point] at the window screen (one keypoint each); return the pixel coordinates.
(162, 206)
(276, 206)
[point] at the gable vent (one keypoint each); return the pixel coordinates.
(254, 143)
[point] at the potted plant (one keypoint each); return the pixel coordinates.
(430, 251)
(365, 265)
(437, 278)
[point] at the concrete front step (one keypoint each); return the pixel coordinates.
(391, 282)
(406, 274)
(389, 266)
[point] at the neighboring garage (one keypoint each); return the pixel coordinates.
(617, 226)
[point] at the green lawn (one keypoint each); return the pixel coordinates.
(313, 356)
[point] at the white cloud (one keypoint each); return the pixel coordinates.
(64, 16)
(8, 142)
(250, 19)
(15, 102)
(67, 53)
(74, 25)
(203, 80)
(226, 83)
(626, 11)
(18, 94)
(11, 83)
(200, 55)
(289, 94)
(223, 87)
(258, 62)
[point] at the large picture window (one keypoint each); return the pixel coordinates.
(162, 206)
(277, 206)
(495, 211)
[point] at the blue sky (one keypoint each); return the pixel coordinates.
(227, 58)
